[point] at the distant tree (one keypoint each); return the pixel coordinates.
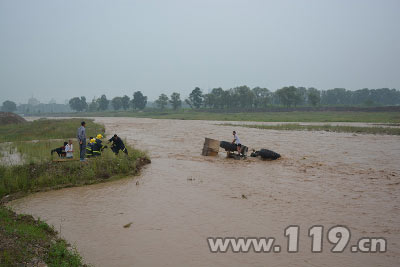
(385, 96)
(175, 100)
(139, 101)
(78, 104)
(336, 96)
(282, 96)
(94, 105)
(301, 96)
(162, 101)
(9, 106)
(217, 99)
(75, 103)
(262, 97)
(207, 100)
(243, 95)
(196, 98)
(84, 104)
(125, 102)
(116, 102)
(288, 96)
(313, 96)
(103, 102)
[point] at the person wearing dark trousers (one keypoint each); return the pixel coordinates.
(98, 145)
(81, 135)
(117, 145)
(236, 141)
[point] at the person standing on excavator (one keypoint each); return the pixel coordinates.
(236, 141)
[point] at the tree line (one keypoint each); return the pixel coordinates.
(237, 98)
(245, 98)
(138, 102)
(242, 97)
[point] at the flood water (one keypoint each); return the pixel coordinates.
(182, 197)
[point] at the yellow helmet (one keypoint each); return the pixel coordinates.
(99, 136)
(92, 140)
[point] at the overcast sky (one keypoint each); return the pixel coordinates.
(61, 49)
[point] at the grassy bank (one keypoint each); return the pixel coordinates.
(41, 175)
(294, 116)
(29, 242)
(327, 128)
(25, 240)
(37, 171)
(47, 129)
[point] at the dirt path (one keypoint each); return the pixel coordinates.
(182, 198)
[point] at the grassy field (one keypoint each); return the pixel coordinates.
(295, 116)
(327, 128)
(39, 151)
(21, 236)
(47, 129)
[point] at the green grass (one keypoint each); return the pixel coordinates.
(327, 128)
(294, 116)
(25, 239)
(39, 151)
(44, 129)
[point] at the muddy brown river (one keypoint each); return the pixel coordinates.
(182, 197)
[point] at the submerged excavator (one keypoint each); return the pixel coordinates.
(211, 148)
(263, 153)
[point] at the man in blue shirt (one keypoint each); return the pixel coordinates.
(81, 135)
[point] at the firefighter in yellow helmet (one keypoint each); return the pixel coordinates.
(90, 147)
(98, 146)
